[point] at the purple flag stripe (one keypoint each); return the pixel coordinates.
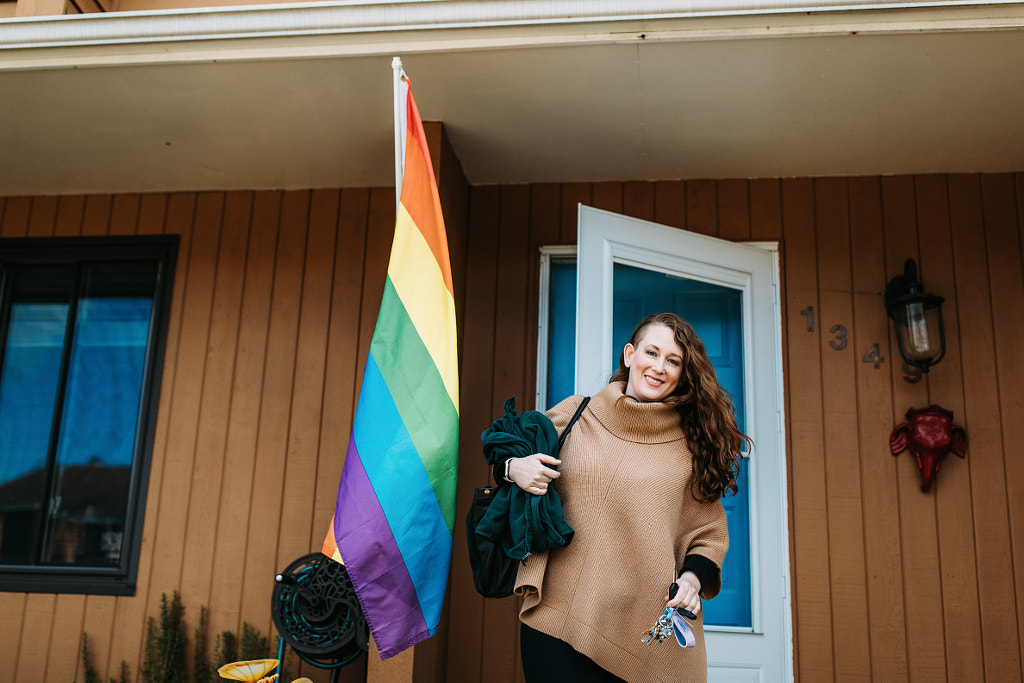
(374, 563)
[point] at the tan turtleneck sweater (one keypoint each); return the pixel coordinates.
(625, 488)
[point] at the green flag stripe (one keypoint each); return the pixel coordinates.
(420, 396)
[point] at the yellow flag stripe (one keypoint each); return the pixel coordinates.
(420, 285)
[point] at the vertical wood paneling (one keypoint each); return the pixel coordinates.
(15, 217)
(42, 217)
(812, 628)
(12, 627)
(702, 206)
(467, 655)
(839, 390)
(62, 653)
(1010, 395)
(68, 221)
(952, 493)
(98, 622)
(765, 210)
(670, 203)
(185, 416)
(124, 214)
(607, 196)
(236, 497)
(35, 637)
(545, 212)
(638, 200)
(882, 561)
(573, 194)
(982, 420)
(511, 297)
(221, 348)
(310, 372)
(261, 560)
(733, 210)
(96, 218)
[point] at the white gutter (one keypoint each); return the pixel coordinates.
(365, 27)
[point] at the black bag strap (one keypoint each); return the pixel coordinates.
(568, 427)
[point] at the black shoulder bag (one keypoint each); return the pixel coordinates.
(494, 572)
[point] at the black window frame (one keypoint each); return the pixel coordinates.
(119, 580)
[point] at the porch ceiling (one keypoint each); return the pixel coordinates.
(796, 94)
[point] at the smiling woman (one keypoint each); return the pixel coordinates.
(642, 478)
(655, 364)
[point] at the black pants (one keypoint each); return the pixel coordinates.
(546, 658)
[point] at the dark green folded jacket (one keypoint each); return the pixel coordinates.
(522, 522)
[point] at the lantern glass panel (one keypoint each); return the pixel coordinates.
(918, 327)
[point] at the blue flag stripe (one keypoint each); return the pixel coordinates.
(404, 491)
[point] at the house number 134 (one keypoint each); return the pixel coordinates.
(873, 355)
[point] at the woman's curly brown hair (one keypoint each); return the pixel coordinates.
(706, 411)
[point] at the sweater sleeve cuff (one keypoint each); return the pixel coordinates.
(708, 572)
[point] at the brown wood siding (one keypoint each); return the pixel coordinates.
(275, 299)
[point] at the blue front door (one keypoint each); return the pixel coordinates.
(715, 313)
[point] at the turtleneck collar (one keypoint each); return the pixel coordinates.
(633, 420)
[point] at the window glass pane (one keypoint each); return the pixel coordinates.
(28, 387)
(561, 331)
(101, 409)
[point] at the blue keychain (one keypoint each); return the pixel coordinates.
(672, 622)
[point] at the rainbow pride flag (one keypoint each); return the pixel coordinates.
(395, 515)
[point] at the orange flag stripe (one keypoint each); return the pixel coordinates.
(419, 193)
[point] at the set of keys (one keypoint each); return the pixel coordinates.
(671, 622)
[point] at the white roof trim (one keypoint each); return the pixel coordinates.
(376, 17)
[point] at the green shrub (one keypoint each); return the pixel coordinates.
(226, 650)
(89, 671)
(202, 669)
(164, 654)
(254, 645)
(164, 659)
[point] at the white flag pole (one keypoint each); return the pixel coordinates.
(401, 87)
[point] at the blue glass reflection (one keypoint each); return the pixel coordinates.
(28, 392)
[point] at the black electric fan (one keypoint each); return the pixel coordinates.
(316, 612)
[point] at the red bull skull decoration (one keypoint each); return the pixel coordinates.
(929, 434)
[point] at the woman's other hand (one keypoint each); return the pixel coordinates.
(688, 595)
(532, 474)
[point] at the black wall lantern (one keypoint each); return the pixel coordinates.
(918, 317)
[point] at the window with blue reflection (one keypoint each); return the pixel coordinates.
(81, 347)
